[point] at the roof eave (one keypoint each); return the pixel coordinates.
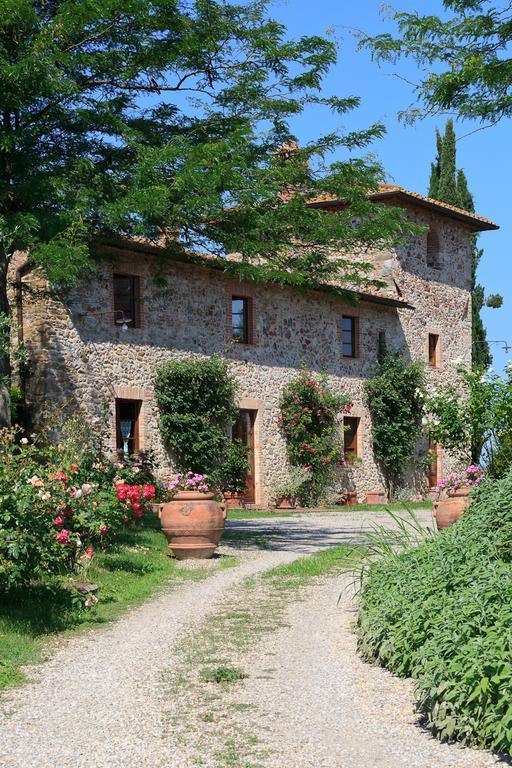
(475, 223)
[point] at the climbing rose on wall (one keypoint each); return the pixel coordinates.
(310, 424)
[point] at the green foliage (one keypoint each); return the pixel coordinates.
(54, 509)
(395, 397)
(308, 420)
(447, 191)
(477, 420)
(440, 612)
(234, 468)
(222, 675)
(98, 134)
(465, 56)
(196, 399)
(131, 571)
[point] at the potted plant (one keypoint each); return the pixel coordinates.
(233, 474)
(284, 495)
(192, 519)
(454, 495)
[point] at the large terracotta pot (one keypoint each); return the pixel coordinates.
(447, 511)
(193, 523)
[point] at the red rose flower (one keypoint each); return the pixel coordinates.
(63, 536)
(59, 521)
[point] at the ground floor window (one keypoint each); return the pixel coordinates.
(127, 426)
(350, 438)
(433, 474)
(243, 430)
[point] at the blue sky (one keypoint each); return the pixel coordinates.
(407, 151)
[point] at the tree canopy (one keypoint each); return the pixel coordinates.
(470, 48)
(153, 117)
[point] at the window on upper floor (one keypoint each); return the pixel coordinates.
(433, 350)
(433, 249)
(127, 300)
(242, 319)
(350, 438)
(349, 336)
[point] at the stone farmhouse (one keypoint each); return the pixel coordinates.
(102, 343)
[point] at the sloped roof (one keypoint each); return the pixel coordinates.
(393, 191)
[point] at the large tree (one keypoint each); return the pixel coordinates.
(465, 60)
(450, 186)
(172, 117)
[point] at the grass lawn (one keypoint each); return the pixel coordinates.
(250, 514)
(126, 575)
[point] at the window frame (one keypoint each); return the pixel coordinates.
(434, 350)
(433, 249)
(353, 451)
(354, 336)
(135, 301)
(137, 405)
(248, 309)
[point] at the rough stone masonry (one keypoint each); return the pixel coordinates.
(80, 356)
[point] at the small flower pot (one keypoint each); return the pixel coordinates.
(285, 502)
(375, 497)
(447, 511)
(193, 523)
(233, 500)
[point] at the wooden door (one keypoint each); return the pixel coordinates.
(243, 430)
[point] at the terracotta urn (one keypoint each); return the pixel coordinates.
(448, 510)
(193, 523)
(285, 502)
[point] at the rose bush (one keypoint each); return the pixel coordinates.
(51, 516)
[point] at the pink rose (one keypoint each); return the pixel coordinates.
(59, 521)
(63, 536)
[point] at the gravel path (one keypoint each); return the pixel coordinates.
(102, 698)
(320, 706)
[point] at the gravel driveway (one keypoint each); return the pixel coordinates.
(100, 700)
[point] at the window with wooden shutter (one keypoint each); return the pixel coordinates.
(433, 350)
(127, 300)
(433, 249)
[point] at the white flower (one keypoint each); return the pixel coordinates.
(24, 441)
(424, 421)
(44, 496)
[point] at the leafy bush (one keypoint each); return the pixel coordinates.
(395, 397)
(196, 399)
(309, 424)
(441, 612)
(52, 512)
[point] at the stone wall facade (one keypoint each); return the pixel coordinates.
(81, 357)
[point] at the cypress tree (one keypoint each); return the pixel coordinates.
(435, 169)
(447, 191)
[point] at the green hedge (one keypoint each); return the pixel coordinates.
(441, 613)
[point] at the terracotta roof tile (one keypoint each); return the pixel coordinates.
(394, 190)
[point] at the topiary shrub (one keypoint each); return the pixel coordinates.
(441, 612)
(196, 399)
